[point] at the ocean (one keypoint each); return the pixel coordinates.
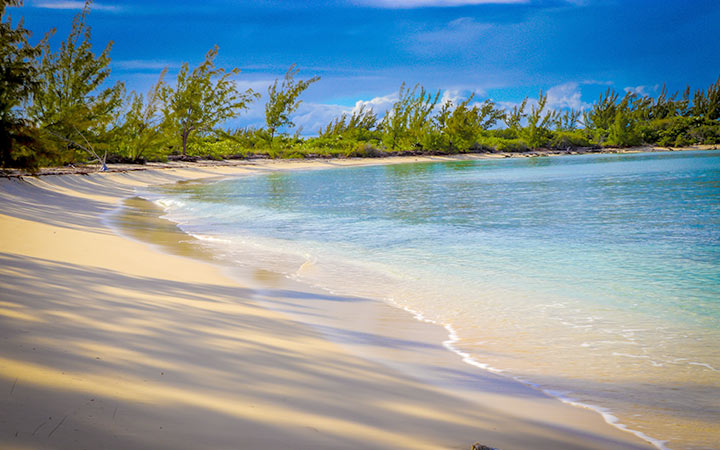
(595, 278)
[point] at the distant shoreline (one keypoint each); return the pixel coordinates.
(389, 159)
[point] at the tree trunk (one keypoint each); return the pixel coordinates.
(184, 141)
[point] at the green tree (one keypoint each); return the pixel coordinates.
(284, 100)
(513, 118)
(69, 102)
(566, 121)
(358, 125)
(201, 99)
(601, 116)
(410, 116)
(623, 131)
(20, 144)
(706, 104)
(140, 131)
(536, 132)
(463, 125)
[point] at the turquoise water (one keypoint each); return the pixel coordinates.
(595, 277)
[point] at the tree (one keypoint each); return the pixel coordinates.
(140, 130)
(536, 131)
(464, 125)
(69, 102)
(202, 99)
(359, 125)
(623, 130)
(20, 144)
(283, 100)
(566, 121)
(513, 118)
(409, 116)
(707, 103)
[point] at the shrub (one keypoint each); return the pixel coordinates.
(569, 139)
(512, 146)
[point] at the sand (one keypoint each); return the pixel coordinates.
(110, 342)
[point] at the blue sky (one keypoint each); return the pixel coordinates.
(364, 49)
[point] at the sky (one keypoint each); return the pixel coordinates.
(363, 50)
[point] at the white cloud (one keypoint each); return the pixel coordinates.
(566, 95)
(378, 104)
(562, 96)
(76, 5)
(409, 4)
(313, 117)
(641, 90)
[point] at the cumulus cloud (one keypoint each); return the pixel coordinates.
(566, 95)
(76, 5)
(453, 95)
(378, 104)
(562, 96)
(312, 117)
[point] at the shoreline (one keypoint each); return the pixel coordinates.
(450, 337)
(330, 162)
(448, 341)
(70, 205)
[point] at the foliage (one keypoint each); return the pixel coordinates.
(69, 102)
(537, 133)
(361, 125)
(140, 135)
(707, 104)
(513, 118)
(409, 117)
(512, 145)
(202, 99)
(564, 140)
(566, 121)
(601, 116)
(283, 100)
(679, 131)
(20, 144)
(464, 125)
(623, 132)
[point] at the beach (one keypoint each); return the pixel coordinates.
(115, 339)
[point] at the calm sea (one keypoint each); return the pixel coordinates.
(595, 278)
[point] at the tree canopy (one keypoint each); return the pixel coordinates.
(202, 98)
(70, 101)
(284, 100)
(19, 142)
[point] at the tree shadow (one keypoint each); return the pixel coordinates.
(114, 355)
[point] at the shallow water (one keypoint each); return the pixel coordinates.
(595, 277)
